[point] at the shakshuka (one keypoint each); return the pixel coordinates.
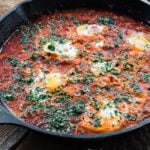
(78, 72)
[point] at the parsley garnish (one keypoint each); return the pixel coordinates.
(75, 109)
(13, 62)
(145, 78)
(105, 21)
(135, 87)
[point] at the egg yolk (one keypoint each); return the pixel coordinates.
(53, 81)
(139, 43)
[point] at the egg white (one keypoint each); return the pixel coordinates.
(100, 68)
(98, 44)
(49, 82)
(108, 112)
(90, 30)
(140, 42)
(63, 51)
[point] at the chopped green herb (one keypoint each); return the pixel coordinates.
(22, 80)
(84, 90)
(35, 107)
(25, 37)
(105, 21)
(119, 36)
(34, 56)
(96, 105)
(61, 19)
(146, 78)
(135, 87)
(96, 122)
(37, 95)
(130, 117)
(42, 41)
(97, 59)
(75, 109)
(121, 98)
(104, 67)
(108, 67)
(74, 20)
(58, 120)
(13, 62)
(127, 66)
(125, 55)
(118, 39)
(87, 79)
(47, 62)
(62, 99)
(114, 72)
(5, 96)
(52, 25)
(51, 45)
(24, 64)
(61, 40)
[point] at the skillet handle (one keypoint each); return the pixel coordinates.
(8, 118)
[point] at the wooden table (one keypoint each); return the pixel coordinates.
(18, 138)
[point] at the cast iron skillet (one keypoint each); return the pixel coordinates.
(26, 10)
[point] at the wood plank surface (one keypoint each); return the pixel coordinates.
(137, 140)
(10, 135)
(5, 5)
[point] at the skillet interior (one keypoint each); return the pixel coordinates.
(26, 10)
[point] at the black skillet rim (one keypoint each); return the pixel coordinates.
(63, 135)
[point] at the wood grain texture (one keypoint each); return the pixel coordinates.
(137, 140)
(10, 136)
(5, 5)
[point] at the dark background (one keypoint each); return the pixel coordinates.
(137, 140)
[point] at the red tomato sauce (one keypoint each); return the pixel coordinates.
(78, 72)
